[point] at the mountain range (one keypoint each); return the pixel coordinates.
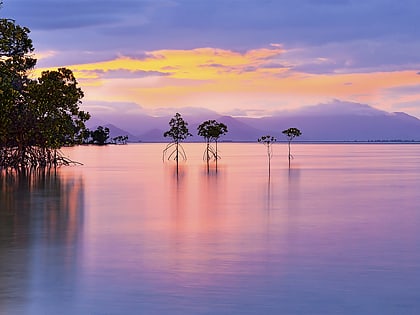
(335, 121)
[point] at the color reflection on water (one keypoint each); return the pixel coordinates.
(41, 223)
(337, 233)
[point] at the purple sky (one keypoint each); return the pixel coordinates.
(325, 39)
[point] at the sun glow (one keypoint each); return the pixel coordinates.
(224, 79)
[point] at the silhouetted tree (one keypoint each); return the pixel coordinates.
(37, 116)
(178, 132)
(268, 142)
(85, 136)
(119, 140)
(211, 130)
(53, 102)
(100, 135)
(291, 133)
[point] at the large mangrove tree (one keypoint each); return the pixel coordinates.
(37, 116)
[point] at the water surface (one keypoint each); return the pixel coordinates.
(337, 233)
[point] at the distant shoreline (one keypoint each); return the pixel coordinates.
(307, 142)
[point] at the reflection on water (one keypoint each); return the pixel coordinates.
(41, 216)
(337, 233)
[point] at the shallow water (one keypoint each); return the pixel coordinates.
(337, 233)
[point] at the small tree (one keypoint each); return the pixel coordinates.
(268, 142)
(211, 130)
(178, 132)
(291, 133)
(100, 135)
(119, 140)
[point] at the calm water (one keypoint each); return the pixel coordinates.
(338, 233)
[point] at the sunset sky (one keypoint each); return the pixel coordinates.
(237, 57)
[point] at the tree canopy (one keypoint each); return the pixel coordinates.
(211, 130)
(178, 130)
(37, 116)
(100, 135)
(292, 133)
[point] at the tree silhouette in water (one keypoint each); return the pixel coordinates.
(291, 133)
(268, 142)
(178, 132)
(211, 130)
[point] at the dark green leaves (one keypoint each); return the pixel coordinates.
(178, 129)
(267, 139)
(37, 117)
(211, 130)
(292, 133)
(100, 135)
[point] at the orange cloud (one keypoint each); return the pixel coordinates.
(224, 79)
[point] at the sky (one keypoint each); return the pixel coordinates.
(236, 57)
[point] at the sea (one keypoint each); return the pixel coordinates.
(126, 232)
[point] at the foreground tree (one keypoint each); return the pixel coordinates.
(54, 101)
(211, 131)
(268, 142)
(37, 117)
(291, 133)
(178, 132)
(15, 61)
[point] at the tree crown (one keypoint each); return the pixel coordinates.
(211, 130)
(15, 47)
(291, 133)
(267, 139)
(178, 129)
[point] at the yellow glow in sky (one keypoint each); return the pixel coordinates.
(224, 80)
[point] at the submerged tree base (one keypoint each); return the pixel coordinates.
(32, 158)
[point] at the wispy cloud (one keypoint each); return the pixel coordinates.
(226, 80)
(229, 54)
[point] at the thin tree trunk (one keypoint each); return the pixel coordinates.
(208, 157)
(176, 158)
(217, 157)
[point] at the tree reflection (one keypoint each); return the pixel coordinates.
(269, 197)
(42, 199)
(41, 217)
(293, 188)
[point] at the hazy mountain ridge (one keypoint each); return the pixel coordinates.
(341, 121)
(115, 131)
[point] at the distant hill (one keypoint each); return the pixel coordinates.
(153, 135)
(357, 122)
(336, 121)
(115, 131)
(239, 130)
